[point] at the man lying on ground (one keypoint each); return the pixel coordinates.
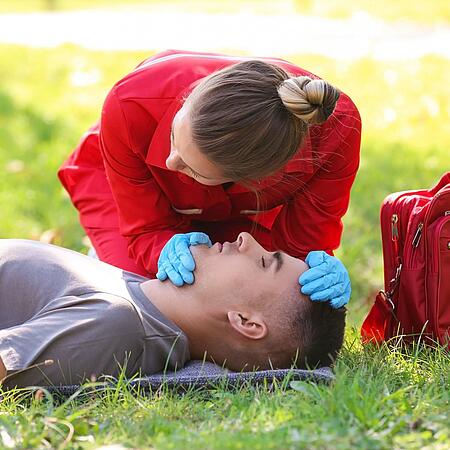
(244, 311)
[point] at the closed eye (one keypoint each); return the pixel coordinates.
(263, 261)
(193, 174)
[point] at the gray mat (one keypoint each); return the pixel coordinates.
(199, 374)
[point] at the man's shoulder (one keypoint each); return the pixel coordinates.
(32, 250)
(54, 265)
(25, 249)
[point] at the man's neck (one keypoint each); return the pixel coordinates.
(205, 325)
(180, 306)
(165, 298)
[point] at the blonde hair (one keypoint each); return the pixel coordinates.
(312, 101)
(251, 118)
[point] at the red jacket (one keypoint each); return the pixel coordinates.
(304, 202)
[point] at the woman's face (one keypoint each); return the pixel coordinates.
(185, 156)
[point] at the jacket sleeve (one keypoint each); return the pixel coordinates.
(145, 216)
(311, 220)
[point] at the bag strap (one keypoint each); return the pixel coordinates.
(393, 284)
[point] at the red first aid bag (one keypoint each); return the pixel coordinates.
(415, 232)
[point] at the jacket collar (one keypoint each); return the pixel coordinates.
(159, 148)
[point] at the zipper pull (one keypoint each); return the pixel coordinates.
(394, 227)
(417, 235)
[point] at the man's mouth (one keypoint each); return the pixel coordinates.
(226, 246)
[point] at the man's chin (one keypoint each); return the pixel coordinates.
(202, 254)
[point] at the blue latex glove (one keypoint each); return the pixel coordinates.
(326, 279)
(175, 260)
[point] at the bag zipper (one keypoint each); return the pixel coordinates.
(427, 300)
(441, 221)
(397, 261)
(417, 235)
(434, 268)
(420, 227)
(409, 253)
(394, 231)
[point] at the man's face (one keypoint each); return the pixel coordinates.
(244, 272)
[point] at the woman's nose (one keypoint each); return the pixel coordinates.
(173, 161)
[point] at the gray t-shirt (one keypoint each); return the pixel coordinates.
(88, 316)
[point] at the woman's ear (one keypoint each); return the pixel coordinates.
(251, 325)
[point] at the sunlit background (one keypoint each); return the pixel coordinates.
(58, 58)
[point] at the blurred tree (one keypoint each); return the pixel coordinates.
(50, 5)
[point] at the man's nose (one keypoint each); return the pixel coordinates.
(245, 242)
(173, 161)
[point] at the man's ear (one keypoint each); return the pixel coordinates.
(250, 325)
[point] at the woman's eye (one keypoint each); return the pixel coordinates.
(263, 261)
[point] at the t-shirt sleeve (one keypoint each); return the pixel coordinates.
(84, 336)
(171, 348)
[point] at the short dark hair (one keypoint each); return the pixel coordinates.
(318, 333)
(308, 334)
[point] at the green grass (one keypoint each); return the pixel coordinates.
(381, 399)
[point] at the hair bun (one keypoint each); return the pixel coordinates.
(312, 101)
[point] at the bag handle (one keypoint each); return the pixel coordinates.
(444, 181)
